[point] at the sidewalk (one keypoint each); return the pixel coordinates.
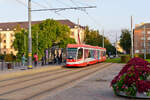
(17, 72)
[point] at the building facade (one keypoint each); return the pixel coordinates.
(7, 33)
(140, 31)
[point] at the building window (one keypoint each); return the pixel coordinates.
(12, 47)
(12, 35)
(142, 38)
(142, 32)
(4, 41)
(5, 47)
(142, 51)
(11, 52)
(148, 50)
(72, 33)
(148, 38)
(142, 45)
(148, 43)
(4, 35)
(148, 32)
(136, 51)
(4, 52)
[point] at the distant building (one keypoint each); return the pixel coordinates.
(139, 38)
(7, 32)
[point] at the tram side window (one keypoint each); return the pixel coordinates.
(80, 53)
(86, 53)
(98, 53)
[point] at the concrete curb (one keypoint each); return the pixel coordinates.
(27, 72)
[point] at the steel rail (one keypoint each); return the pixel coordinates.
(58, 77)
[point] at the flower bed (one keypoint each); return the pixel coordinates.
(133, 80)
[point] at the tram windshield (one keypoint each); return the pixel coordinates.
(71, 53)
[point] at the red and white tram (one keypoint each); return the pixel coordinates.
(79, 55)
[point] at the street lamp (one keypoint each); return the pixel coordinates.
(29, 37)
(144, 42)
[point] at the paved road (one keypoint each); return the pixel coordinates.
(41, 85)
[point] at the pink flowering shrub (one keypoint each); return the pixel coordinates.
(133, 78)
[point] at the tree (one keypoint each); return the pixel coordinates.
(19, 42)
(44, 35)
(92, 37)
(125, 40)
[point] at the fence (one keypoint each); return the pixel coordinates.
(9, 65)
(51, 57)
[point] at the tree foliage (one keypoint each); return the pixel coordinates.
(92, 37)
(125, 40)
(44, 35)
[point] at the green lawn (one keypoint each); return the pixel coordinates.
(113, 60)
(118, 60)
(148, 60)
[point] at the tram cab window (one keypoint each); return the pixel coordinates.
(71, 53)
(80, 53)
(104, 53)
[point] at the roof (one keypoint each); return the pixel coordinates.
(83, 45)
(147, 25)
(12, 25)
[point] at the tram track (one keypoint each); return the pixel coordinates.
(34, 97)
(34, 76)
(31, 78)
(63, 85)
(67, 74)
(19, 77)
(40, 82)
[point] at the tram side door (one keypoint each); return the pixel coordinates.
(99, 56)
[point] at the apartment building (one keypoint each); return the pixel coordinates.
(7, 32)
(139, 32)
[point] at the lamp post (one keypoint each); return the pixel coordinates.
(103, 39)
(132, 47)
(144, 42)
(29, 37)
(0, 41)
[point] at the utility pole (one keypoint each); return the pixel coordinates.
(25, 42)
(29, 37)
(116, 45)
(79, 33)
(144, 42)
(103, 39)
(37, 37)
(0, 41)
(132, 47)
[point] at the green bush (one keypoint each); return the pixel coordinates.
(125, 58)
(142, 56)
(2, 56)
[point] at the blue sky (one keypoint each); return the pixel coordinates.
(110, 15)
